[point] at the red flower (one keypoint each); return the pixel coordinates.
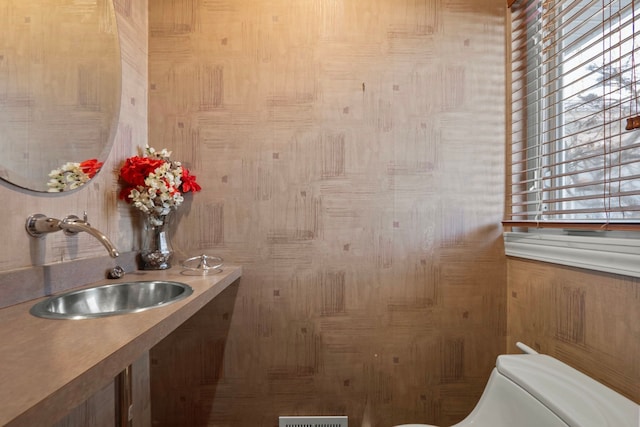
(136, 169)
(189, 181)
(91, 167)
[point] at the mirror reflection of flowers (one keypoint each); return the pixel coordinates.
(72, 175)
(154, 184)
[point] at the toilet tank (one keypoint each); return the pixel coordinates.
(575, 398)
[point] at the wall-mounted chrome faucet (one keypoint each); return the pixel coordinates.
(38, 224)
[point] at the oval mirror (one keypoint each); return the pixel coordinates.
(60, 79)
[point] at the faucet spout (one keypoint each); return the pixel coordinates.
(74, 225)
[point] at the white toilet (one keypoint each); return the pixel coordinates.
(535, 390)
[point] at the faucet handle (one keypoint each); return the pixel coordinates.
(70, 219)
(38, 224)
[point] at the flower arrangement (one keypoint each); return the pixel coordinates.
(72, 175)
(154, 184)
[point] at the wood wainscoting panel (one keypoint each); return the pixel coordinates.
(589, 320)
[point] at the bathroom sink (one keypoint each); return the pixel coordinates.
(111, 300)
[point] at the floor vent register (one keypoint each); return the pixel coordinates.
(339, 421)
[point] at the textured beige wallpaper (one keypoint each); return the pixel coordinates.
(351, 158)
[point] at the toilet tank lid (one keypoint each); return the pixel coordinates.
(580, 401)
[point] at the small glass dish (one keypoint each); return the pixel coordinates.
(203, 264)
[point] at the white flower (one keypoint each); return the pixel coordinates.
(68, 177)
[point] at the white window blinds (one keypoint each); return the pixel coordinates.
(575, 161)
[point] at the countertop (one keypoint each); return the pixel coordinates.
(47, 367)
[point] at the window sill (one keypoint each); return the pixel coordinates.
(608, 254)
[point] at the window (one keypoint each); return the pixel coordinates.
(575, 95)
(575, 131)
